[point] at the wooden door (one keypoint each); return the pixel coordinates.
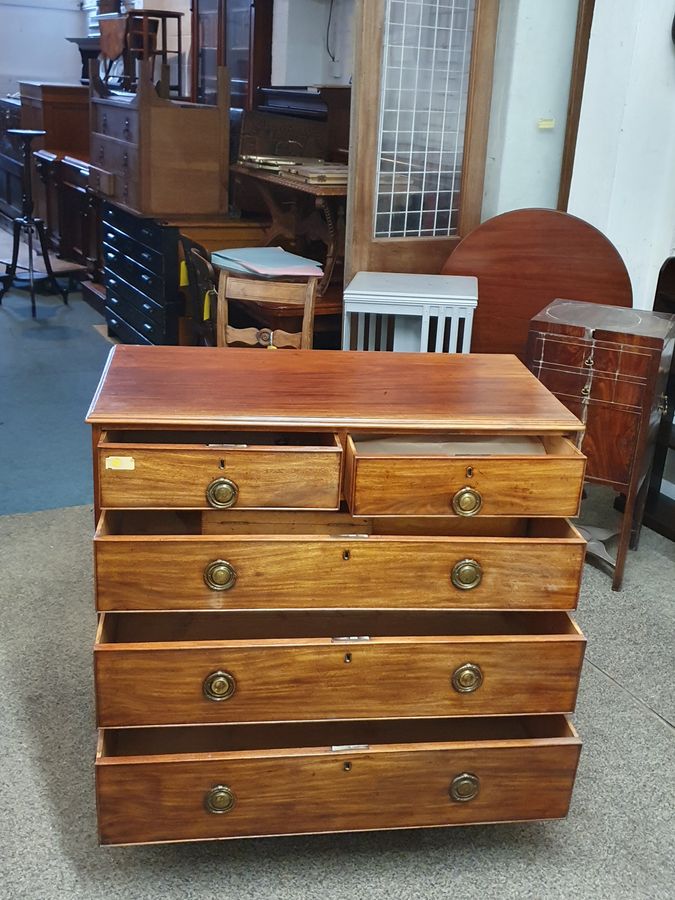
(420, 110)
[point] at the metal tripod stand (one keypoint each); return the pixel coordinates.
(30, 226)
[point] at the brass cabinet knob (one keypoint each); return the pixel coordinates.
(219, 686)
(466, 574)
(219, 575)
(464, 787)
(467, 502)
(220, 799)
(222, 493)
(467, 678)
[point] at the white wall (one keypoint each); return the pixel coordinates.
(299, 55)
(533, 61)
(623, 180)
(33, 44)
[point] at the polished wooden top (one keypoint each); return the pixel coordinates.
(208, 386)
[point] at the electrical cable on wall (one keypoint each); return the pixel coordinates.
(330, 20)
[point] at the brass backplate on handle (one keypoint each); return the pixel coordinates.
(219, 575)
(467, 502)
(466, 574)
(222, 493)
(219, 686)
(467, 678)
(464, 787)
(220, 799)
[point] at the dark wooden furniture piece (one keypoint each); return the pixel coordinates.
(320, 544)
(61, 111)
(159, 157)
(201, 285)
(302, 212)
(525, 259)
(609, 366)
(265, 293)
(11, 160)
(140, 256)
(236, 34)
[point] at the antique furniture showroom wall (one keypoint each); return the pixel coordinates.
(334, 592)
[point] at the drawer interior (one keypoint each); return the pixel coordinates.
(225, 439)
(316, 524)
(453, 445)
(341, 627)
(329, 737)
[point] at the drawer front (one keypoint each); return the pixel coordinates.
(141, 254)
(130, 296)
(591, 385)
(170, 572)
(317, 679)
(297, 478)
(548, 485)
(143, 323)
(150, 799)
(144, 230)
(115, 122)
(117, 263)
(115, 156)
(122, 329)
(599, 356)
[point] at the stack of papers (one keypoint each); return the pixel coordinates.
(266, 262)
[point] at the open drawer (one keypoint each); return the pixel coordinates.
(217, 667)
(181, 784)
(220, 469)
(211, 560)
(440, 475)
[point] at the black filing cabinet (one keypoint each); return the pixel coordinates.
(140, 265)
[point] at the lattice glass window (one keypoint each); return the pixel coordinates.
(425, 79)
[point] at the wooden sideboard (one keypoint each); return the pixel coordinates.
(333, 593)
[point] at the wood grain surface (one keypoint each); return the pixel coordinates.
(165, 476)
(547, 485)
(389, 786)
(313, 678)
(286, 571)
(526, 258)
(205, 387)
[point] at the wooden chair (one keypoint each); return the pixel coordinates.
(265, 293)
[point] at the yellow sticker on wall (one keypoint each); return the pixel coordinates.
(120, 463)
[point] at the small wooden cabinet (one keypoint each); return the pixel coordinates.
(334, 593)
(11, 161)
(160, 157)
(610, 367)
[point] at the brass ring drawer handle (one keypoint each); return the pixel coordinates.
(219, 686)
(467, 502)
(220, 799)
(222, 493)
(466, 574)
(464, 787)
(467, 678)
(220, 575)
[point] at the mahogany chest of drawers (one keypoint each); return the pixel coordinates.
(334, 593)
